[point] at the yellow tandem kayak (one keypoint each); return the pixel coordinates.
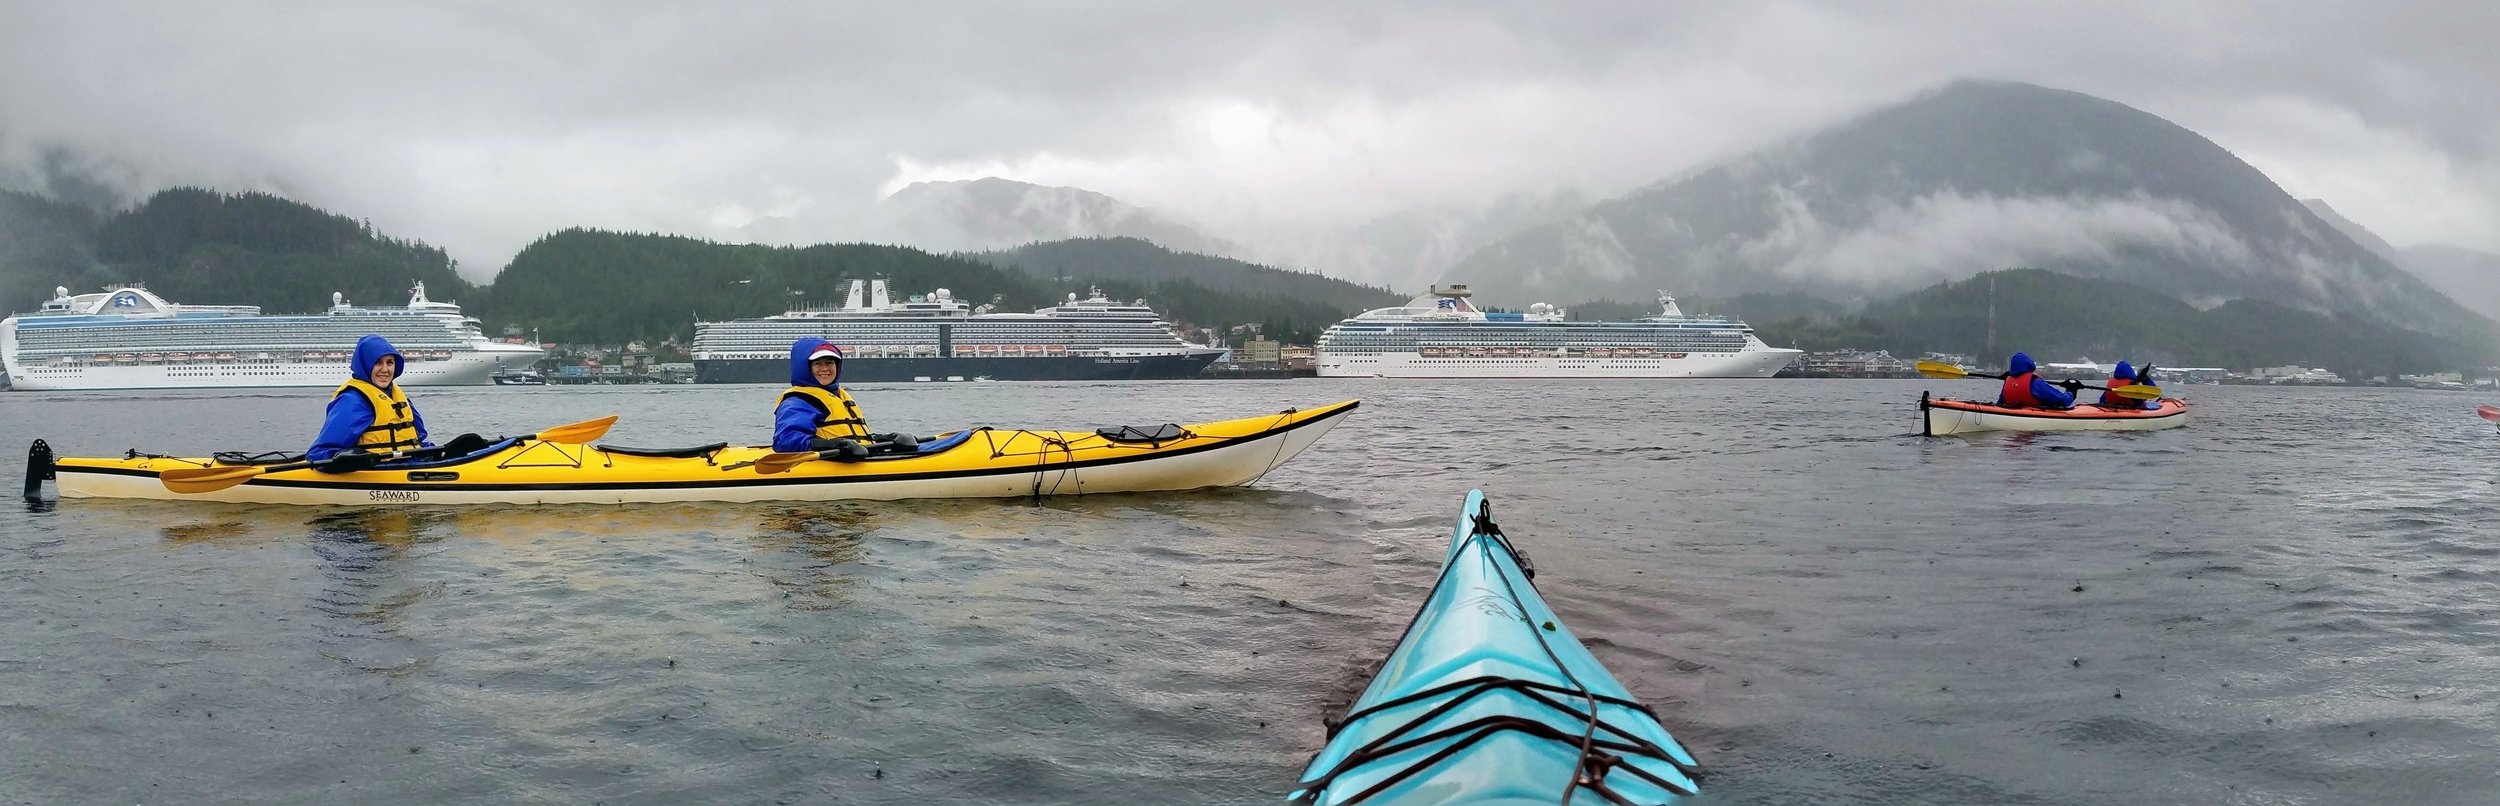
(974, 463)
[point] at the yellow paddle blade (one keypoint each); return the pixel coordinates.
(1936, 369)
(194, 480)
(2138, 392)
(189, 480)
(578, 433)
(772, 463)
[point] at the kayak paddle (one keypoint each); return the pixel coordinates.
(772, 463)
(1934, 369)
(189, 480)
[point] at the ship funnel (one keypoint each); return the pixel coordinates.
(337, 299)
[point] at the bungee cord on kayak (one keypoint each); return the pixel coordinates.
(556, 466)
(1479, 698)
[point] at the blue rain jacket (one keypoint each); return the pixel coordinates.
(349, 414)
(2047, 393)
(2122, 375)
(794, 421)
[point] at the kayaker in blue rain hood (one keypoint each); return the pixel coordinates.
(2144, 377)
(2023, 387)
(2123, 375)
(369, 413)
(816, 415)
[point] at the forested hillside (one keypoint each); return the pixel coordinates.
(204, 247)
(44, 244)
(1206, 290)
(588, 285)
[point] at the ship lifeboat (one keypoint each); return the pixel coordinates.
(987, 349)
(1475, 352)
(177, 356)
(225, 356)
(152, 357)
(103, 358)
(337, 355)
(126, 357)
(1675, 355)
(1032, 348)
(442, 355)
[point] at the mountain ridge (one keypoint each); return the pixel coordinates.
(1973, 176)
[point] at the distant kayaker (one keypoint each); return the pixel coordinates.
(2023, 387)
(368, 413)
(2144, 377)
(2122, 375)
(816, 415)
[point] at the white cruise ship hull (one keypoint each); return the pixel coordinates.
(462, 369)
(1747, 364)
(130, 339)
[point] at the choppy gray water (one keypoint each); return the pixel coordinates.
(2290, 601)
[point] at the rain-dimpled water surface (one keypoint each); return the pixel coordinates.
(2289, 601)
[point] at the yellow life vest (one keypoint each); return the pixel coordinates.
(828, 426)
(394, 421)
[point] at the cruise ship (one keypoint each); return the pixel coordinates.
(936, 337)
(1444, 335)
(127, 337)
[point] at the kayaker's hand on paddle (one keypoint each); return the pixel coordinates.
(2072, 386)
(189, 480)
(351, 461)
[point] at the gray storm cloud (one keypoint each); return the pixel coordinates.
(480, 126)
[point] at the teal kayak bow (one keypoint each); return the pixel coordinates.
(1488, 699)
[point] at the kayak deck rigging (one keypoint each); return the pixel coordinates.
(1505, 704)
(979, 462)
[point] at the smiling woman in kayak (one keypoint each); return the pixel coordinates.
(815, 414)
(369, 413)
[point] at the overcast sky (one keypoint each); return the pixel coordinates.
(480, 126)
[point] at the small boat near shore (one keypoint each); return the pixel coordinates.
(978, 462)
(1944, 416)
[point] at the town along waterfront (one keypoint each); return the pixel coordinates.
(2286, 601)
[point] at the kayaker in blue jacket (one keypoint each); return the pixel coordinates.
(2124, 375)
(2023, 387)
(369, 413)
(816, 415)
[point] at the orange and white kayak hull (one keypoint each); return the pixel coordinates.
(1943, 416)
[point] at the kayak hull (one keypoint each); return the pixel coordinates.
(1947, 416)
(1486, 700)
(986, 463)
